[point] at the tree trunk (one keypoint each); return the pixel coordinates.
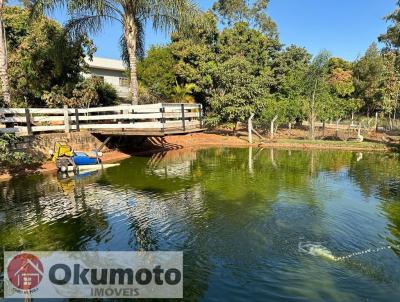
(236, 127)
(290, 128)
(130, 33)
(312, 113)
(271, 134)
(250, 128)
(323, 129)
(337, 127)
(5, 86)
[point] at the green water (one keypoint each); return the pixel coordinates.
(238, 215)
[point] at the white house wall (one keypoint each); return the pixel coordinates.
(111, 71)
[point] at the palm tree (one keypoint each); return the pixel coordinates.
(90, 15)
(5, 86)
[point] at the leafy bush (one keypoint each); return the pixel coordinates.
(87, 93)
(10, 158)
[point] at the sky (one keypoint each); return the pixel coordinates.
(343, 27)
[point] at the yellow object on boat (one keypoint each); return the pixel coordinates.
(62, 149)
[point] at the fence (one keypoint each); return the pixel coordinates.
(154, 117)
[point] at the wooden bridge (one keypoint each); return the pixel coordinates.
(136, 120)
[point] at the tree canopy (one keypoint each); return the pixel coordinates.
(41, 56)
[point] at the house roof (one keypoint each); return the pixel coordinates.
(104, 63)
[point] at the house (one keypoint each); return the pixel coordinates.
(112, 72)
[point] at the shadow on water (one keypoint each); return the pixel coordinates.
(238, 215)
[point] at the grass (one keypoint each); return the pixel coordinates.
(334, 144)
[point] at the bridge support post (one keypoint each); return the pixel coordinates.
(183, 117)
(66, 119)
(28, 121)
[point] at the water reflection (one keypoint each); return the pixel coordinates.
(238, 215)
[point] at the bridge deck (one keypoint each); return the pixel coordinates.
(146, 132)
(135, 120)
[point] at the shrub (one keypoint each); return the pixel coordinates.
(11, 158)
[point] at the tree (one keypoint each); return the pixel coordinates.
(156, 71)
(392, 36)
(36, 62)
(238, 91)
(289, 69)
(195, 55)
(291, 60)
(90, 16)
(342, 90)
(368, 75)
(5, 85)
(391, 85)
(243, 77)
(236, 11)
(317, 89)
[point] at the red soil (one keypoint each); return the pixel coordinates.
(220, 138)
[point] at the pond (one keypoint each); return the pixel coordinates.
(254, 224)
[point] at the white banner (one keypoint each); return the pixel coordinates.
(93, 274)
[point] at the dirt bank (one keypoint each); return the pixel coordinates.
(240, 140)
(218, 139)
(50, 167)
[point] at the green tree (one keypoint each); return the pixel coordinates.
(316, 86)
(5, 83)
(243, 76)
(391, 85)
(90, 16)
(236, 11)
(36, 62)
(392, 36)
(156, 71)
(239, 92)
(289, 71)
(292, 59)
(195, 55)
(342, 90)
(368, 74)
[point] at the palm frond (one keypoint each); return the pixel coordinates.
(39, 7)
(124, 50)
(89, 16)
(140, 46)
(94, 7)
(86, 24)
(169, 15)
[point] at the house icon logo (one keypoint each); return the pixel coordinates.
(25, 271)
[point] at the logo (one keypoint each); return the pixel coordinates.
(93, 274)
(25, 271)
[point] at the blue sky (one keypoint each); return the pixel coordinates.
(343, 27)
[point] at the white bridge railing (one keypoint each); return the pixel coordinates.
(152, 117)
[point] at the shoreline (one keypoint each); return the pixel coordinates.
(209, 140)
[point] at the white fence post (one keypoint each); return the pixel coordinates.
(66, 119)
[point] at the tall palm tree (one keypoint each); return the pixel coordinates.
(5, 86)
(90, 16)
